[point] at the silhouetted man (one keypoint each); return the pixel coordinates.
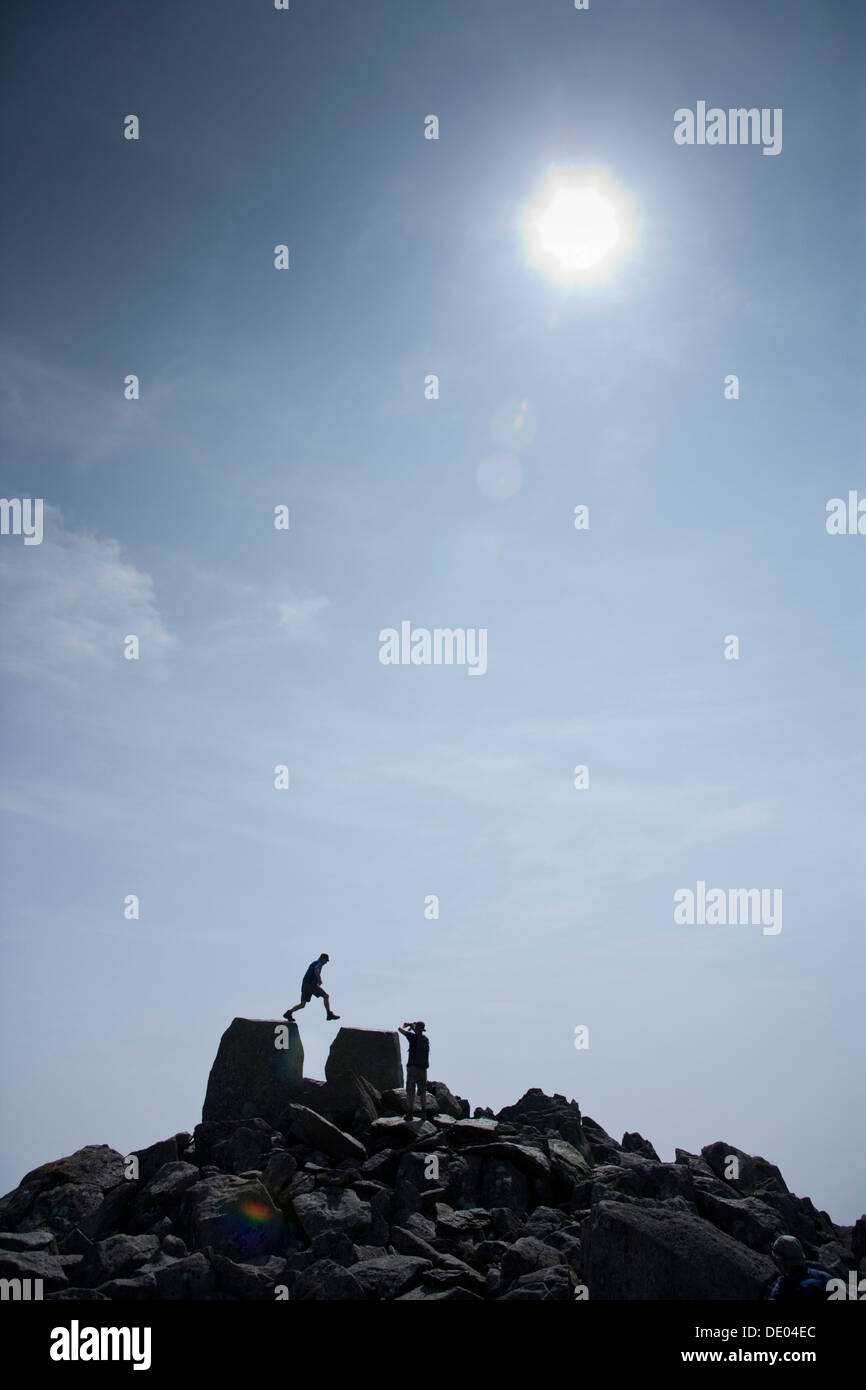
(797, 1282)
(310, 985)
(416, 1067)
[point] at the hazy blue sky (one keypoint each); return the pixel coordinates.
(605, 647)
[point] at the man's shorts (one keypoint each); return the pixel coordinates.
(418, 1075)
(307, 992)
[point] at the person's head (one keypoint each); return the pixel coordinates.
(788, 1254)
(419, 1027)
(324, 957)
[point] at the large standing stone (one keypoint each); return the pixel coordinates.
(632, 1252)
(368, 1052)
(251, 1075)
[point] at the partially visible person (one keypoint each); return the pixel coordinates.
(416, 1067)
(797, 1281)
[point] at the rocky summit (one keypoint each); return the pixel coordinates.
(307, 1190)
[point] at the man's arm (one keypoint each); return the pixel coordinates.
(405, 1034)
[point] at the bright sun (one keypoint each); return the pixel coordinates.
(574, 230)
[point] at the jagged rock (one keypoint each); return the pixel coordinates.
(248, 1147)
(251, 1076)
(388, 1276)
(234, 1216)
(548, 1114)
(28, 1240)
(116, 1257)
(327, 1282)
(192, 1278)
(503, 1184)
(567, 1164)
(241, 1281)
(366, 1052)
(447, 1103)
(79, 1296)
(319, 1133)
(340, 1209)
(553, 1283)
(64, 1193)
(477, 1131)
(278, 1174)
(33, 1264)
(858, 1238)
(348, 1100)
(167, 1185)
(151, 1159)
(543, 1221)
(631, 1252)
(391, 1132)
(526, 1256)
(457, 1294)
(174, 1247)
(745, 1218)
(635, 1143)
(135, 1288)
(754, 1173)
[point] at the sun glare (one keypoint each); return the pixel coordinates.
(575, 229)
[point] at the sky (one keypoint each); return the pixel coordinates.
(259, 648)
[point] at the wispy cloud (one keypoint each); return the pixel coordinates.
(69, 603)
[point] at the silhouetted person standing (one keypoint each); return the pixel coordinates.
(416, 1067)
(312, 985)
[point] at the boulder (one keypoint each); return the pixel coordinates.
(340, 1209)
(370, 1053)
(234, 1216)
(639, 1252)
(192, 1278)
(33, 1264)
(388, 1276)
(325, 1281)
(753, 1173)
(634, 1143)
(251, 1075)
(320, 1134)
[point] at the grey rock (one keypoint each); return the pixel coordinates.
(136, 1288)
(526, 1256)
(234, 1216)
(33, 1264)
(116, 1257)
(754, 1172)
(167, 1185)
(279, 1171)
(388, 1276)
(151, 1159)
(250, 1075)
(632, 1142)
(320, 1134)
(445, 1101)
(340, 1209)
(371, 1053)
(553, 1284)
(192, 1278)
(326, 1281)
(478, 1131)
(746, 1219)
(28, 1240)
(246, 1282)
(631, 1252)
